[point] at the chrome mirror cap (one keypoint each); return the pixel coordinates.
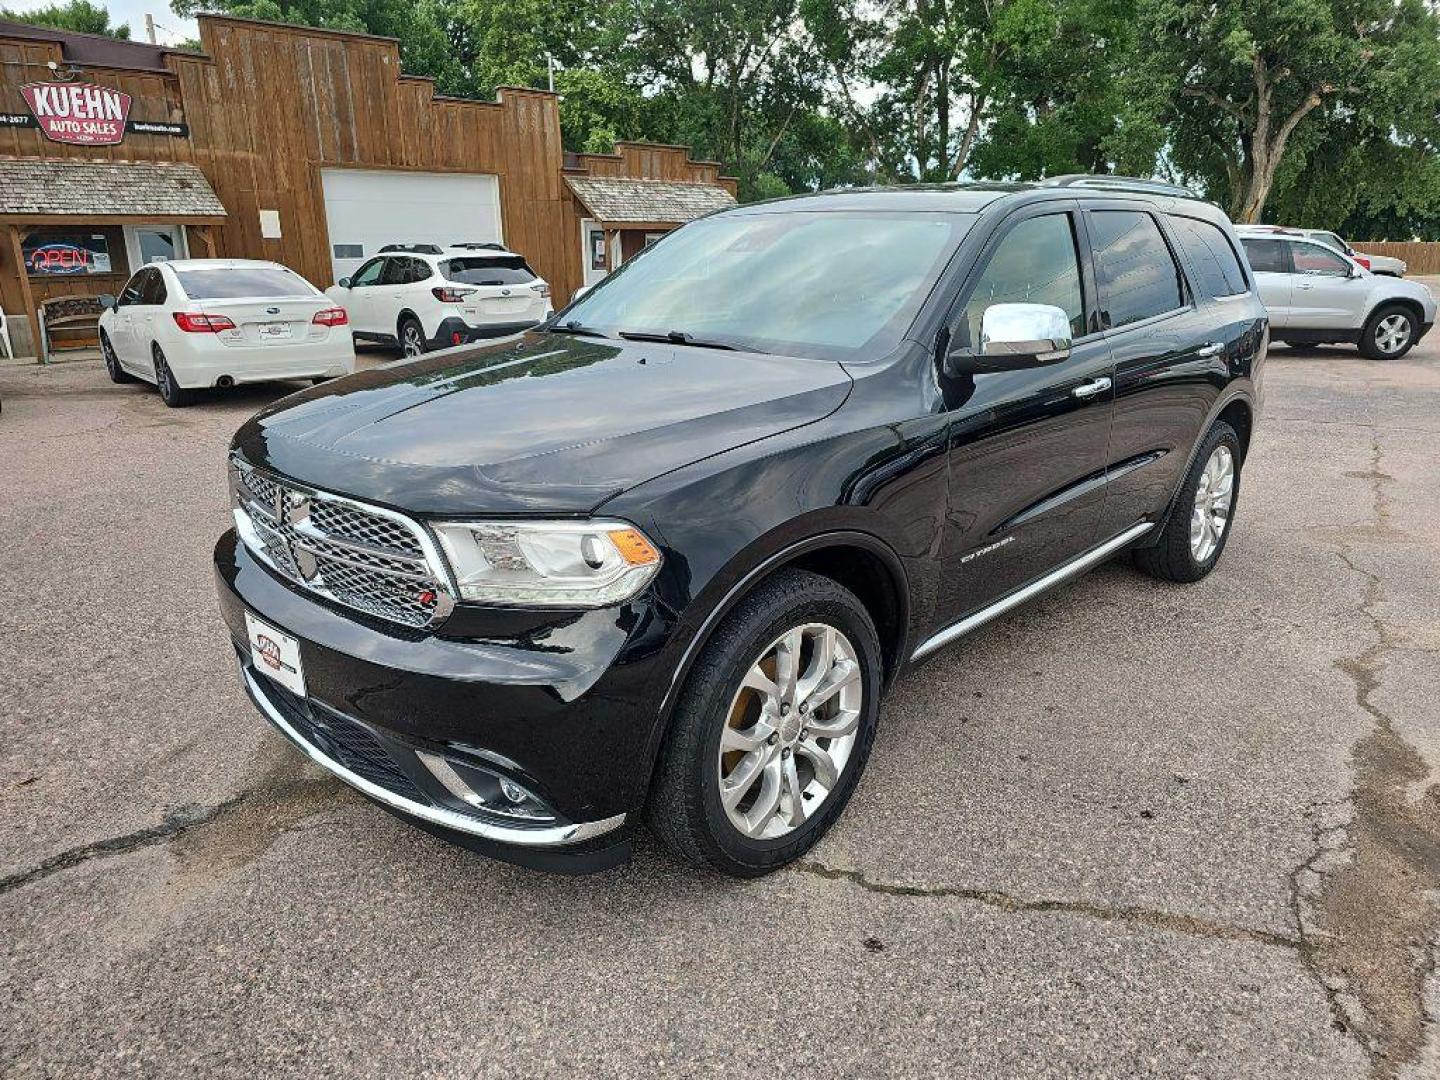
(1041, 331)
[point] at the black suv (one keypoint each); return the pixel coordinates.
(660, 558)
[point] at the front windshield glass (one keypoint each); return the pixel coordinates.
(807, 283)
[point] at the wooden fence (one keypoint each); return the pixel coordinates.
(1421, 258)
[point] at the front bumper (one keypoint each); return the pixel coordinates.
(567, 725)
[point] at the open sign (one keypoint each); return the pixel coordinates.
(49, 255)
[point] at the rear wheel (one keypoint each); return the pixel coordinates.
(175, 396)
(112, 362)
(1389, 333)
(412, 337)
(773, 729)
(1199, 524)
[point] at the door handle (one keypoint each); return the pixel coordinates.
(1093, 387)
(1211, 349)
(1305, 285)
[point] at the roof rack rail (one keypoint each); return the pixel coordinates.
(1119, 183)
(478, 245)
(418, 249)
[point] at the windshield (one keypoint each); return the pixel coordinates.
(488, 270)
(807, 283)
(233, 283)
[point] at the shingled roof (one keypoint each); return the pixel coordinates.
(89, 189)
(617, 201)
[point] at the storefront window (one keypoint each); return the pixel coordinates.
(67, 252)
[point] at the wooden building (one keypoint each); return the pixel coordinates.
(312, 148)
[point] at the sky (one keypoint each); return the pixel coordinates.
(170, 28)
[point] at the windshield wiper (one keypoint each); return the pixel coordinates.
(677, 337)
(575, 326)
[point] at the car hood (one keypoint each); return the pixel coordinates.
(552, 423)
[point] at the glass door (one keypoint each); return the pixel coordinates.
(154, 243)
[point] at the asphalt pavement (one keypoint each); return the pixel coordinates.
(1133, 829)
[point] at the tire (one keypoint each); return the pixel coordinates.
(112, 362)
(412, 337)
(1178, 555)
(685, 807)
(174, 396)
(1389, 333)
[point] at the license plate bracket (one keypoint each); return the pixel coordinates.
(276, 654)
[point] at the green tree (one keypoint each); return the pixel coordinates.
(1235, 82)
(81, 15)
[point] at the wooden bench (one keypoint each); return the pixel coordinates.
(68, 315)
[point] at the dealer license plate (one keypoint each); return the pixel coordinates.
(272, 331)
(275, 654)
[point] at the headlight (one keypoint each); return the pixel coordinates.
(548, 563)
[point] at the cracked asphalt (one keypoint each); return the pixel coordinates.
(1134, 829)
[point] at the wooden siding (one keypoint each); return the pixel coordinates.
(1420, 257)
(270, 105)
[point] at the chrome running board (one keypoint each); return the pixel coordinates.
(1077, 565)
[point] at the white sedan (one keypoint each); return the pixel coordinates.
(193, 323)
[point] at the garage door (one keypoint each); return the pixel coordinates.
(368, 208)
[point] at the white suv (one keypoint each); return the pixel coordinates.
(1316, 295)
(423, 296)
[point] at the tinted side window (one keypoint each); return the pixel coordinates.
(1309, 259)
(1211, 256)
(152, 288)
(419, 270)
(1036, 263)
(1266, 256)
(131, 293)
(397, 272)
(1135, 271)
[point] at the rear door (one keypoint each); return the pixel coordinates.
(1270, 261)
(1165, 346)
(145, 316)
(1026, 448)
(1324, 296)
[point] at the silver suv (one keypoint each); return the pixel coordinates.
(1316, 295)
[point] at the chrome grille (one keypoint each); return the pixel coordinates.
(363, 557)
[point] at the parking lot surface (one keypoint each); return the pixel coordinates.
(1132, 829)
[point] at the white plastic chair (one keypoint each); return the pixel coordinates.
(5, 337)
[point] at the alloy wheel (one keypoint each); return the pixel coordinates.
(1392, 334)
(410, 342)
(790, 731)
(1213, 498)
(112, 362)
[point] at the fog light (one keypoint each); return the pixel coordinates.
(487, 790)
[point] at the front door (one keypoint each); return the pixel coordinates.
(1323, 294)
(1271, 263)
(360, 297)
(1027, 448)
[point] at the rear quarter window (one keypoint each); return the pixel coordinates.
(1211, 255)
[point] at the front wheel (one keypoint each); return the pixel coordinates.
(1388, 333)
(112, 361)
(1199, 523)
(773, 729)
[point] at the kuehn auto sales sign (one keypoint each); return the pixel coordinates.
(81, 114)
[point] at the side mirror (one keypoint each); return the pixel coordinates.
(107, 302)
(1354, 271)
(1014, 337)
(344, 283)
